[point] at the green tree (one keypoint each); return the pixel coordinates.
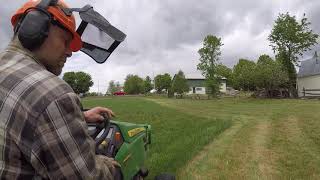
(113, 87)
(166, 81)
(133, 84)
(179, 83)
(147, 85)
(224, 71)
(243, 75)
(269, 74)
(162, 82)
(209, 59)
(80, 82)
(158, 83)
(290, 39)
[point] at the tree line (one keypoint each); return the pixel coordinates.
(133, 84)
(162, 83)
(289, 39)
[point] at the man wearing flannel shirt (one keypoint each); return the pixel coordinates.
(43, 132)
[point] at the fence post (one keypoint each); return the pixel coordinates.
(304, 92)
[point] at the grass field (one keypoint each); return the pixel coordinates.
(228, 138)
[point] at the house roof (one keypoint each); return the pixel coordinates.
(194, 76)
(200, 77)
(310, 67)
(196, 82)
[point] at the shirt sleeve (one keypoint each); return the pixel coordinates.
(63, 148)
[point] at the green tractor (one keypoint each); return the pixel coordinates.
(127, 143)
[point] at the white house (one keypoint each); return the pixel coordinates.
(197, 85)
(308, 80)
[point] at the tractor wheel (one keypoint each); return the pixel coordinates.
(165, 176)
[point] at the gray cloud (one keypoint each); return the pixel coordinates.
(164, 36)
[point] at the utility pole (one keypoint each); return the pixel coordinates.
(154, 84)
(98, 88)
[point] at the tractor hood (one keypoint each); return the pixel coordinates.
(132, 131)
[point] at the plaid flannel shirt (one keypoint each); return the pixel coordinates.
(43, 134)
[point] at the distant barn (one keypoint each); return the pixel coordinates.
(308, 81)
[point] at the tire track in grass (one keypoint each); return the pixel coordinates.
(241, 152)
(199, 167)
(264, 157)
(298, 155)
(250, 155)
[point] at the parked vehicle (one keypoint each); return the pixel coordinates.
(119, 93)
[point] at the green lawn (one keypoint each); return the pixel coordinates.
(227, 138)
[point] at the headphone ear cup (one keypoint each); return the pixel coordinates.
(34, 29)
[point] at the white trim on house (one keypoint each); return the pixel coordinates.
(197, 90)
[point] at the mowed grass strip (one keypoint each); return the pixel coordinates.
(177, 136)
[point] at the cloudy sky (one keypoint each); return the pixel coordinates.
(164, 36)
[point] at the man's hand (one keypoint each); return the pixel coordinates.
(96, 114)
(110, 163)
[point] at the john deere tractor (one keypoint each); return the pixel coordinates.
(127, 143)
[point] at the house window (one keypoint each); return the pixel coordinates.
(198, 89)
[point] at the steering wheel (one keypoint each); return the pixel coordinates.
(96, 128)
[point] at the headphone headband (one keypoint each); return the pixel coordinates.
(44, 4)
